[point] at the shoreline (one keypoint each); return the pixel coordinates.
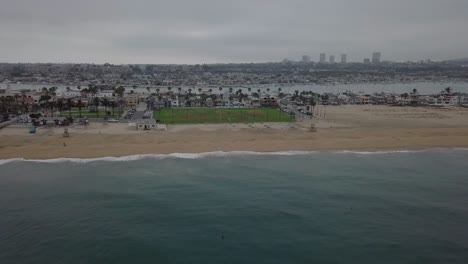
(220, 154)
(347, 128)
(85, 146)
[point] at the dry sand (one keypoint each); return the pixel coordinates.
(345, 127)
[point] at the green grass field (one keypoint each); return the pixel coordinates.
(219, 115)
(87, 113)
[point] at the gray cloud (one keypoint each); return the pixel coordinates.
(206, 31)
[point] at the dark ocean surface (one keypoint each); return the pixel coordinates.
(330, 207)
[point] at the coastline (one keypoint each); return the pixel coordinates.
(368, 128)
(225, 154)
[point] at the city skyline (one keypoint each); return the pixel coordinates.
(178, 32)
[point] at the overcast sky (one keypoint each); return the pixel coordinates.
(210, 31)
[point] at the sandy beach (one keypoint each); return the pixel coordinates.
(344, 128)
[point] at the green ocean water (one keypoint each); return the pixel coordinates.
(342, 207)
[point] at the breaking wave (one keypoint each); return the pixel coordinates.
(219, 154)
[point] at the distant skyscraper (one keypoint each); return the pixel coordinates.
(305, 58)
(332, 58)
(376, 57)
(343, 58)
(367, 60)
(323, 57)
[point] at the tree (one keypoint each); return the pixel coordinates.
(105, 103)
(157, 90)
(60, 106)
(96, 105)
(199, 90)
(448, 90)
(120, 91)
(69, 103)
(79, 106)
(44, 101)
(179, 89)
(148, 89)
(112, 104)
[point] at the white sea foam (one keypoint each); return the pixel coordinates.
(218, 154)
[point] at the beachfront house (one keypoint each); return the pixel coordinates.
(443, 100)
(464, 100)
(362, 100)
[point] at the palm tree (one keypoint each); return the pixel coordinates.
(52, 105)
(60, 106)
(210, 90)
(268, 89)
(220, 89)
(105, 103)
(69, 103)
(249, 89)
(79, 106)
(112, 104)
(199, 90)
(190, 91)
(448, 90)
(279, 90)
(96, 105)
(44, 101)
(179, 89)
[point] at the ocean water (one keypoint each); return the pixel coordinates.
(330, 207)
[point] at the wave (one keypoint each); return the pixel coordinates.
(220, 154)
(159, 156)
(379, 152)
